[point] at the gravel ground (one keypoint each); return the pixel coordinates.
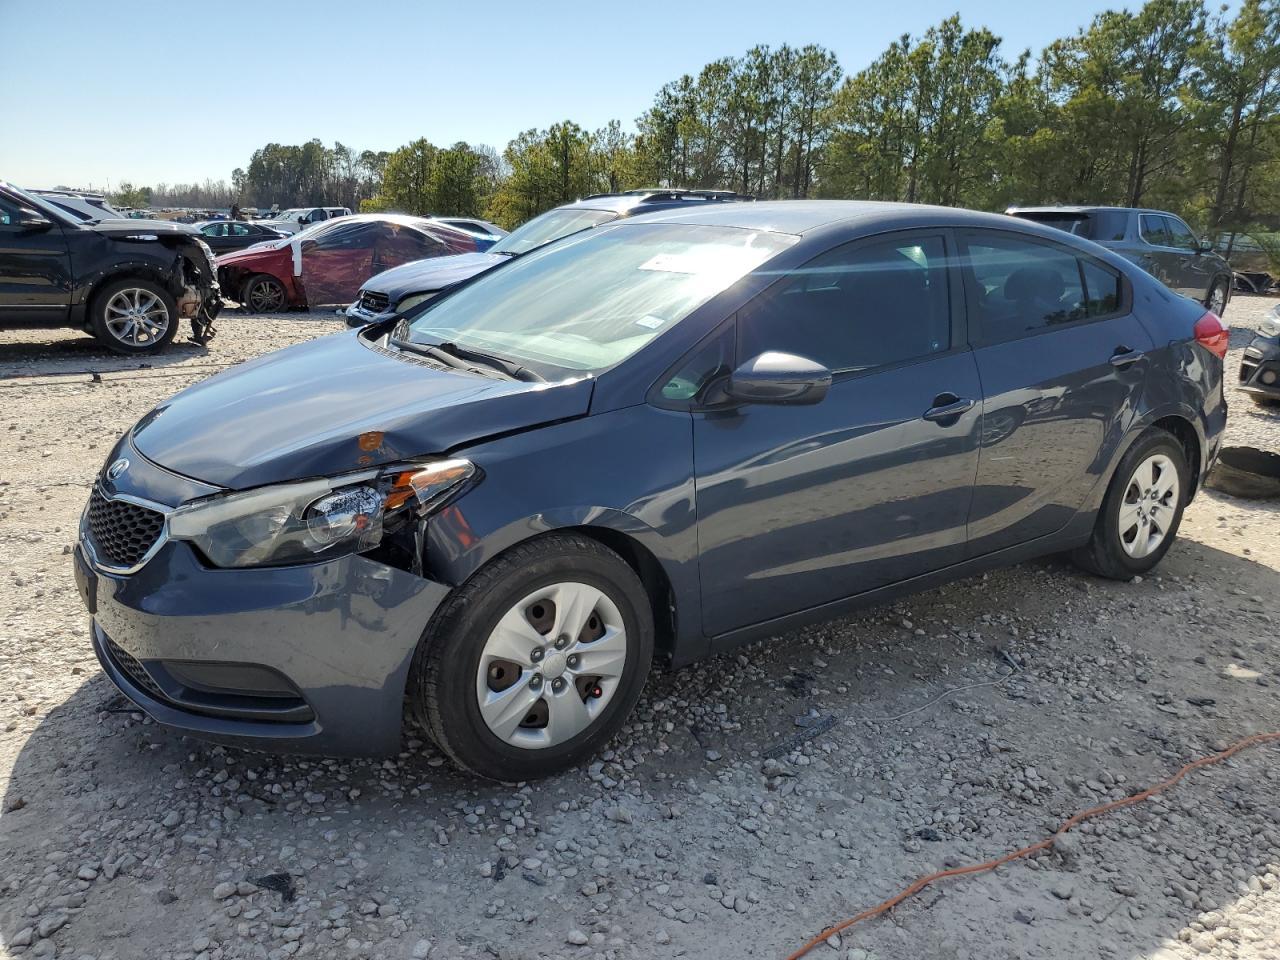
(954, 726)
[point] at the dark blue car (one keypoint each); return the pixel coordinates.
(661, 437)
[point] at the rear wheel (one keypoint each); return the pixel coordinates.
(1217, 299)
(537, 660)
(134, 316)
(1141, 512)
(264, 294)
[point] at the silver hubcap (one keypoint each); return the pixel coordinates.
(137, 317)
(1149, 505)
(551, 665)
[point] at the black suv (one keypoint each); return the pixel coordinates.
(128, 282)
(400, 288)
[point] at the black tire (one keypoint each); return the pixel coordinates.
(1220, 288)
(105, 318)
(442, 685)
(263, 293)
(1104, 554)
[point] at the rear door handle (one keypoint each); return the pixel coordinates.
(948, 409)
(1124, 356)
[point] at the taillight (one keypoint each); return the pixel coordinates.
(1212, 334)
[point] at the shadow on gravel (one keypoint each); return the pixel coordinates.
(118, 837)
(84, 352)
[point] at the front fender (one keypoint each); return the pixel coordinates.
(629, 471)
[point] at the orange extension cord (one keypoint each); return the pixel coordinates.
(911, 891)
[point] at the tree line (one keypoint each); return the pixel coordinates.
(1171, 106)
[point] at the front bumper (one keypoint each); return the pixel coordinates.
(358, 316)
(1260, 367)
(307, 659)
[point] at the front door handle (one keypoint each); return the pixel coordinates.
(948, 407)
(1123, 356)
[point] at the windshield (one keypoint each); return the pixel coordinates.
(591, 301)
(552, 225)
(290, 214)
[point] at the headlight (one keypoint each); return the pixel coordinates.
(1271, 324)
(315, 519)
(408, 303)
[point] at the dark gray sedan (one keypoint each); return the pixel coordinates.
(662, 437)
(1158, 242)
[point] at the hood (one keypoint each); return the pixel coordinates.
(424, 276)
(125, 228)
(300, 413)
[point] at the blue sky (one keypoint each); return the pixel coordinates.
(95, 92)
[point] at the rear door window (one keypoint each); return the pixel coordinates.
(1018, 286)
(861, 306)
(1103, 287)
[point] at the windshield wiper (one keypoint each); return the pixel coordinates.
(454, 356)
(509, 367)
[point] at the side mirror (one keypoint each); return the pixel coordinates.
(779, 378)
(30, 219)
(1204, 246)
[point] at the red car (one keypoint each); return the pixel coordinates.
(327, 263)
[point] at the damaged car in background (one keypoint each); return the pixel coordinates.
(129, 283)
(327, 263)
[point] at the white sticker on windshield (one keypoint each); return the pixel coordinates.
(650, 321)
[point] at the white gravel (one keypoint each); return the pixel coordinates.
(120, 839)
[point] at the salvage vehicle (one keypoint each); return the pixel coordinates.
(1158, 242)
(1255, 258)
(129, 283)
(396, 291)
(486, 233)
(668, 435)
(327, 263)
(82, 206)
(1260, 365)
(223, 236)
(299, 218)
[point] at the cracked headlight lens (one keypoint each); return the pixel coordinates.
(315, 519)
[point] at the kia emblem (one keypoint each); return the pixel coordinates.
(117, 468)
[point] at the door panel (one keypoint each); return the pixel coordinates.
(35, 272)
(802, 505)
(798, 506)
(1055, 405)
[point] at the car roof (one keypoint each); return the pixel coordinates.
(805, 216)
(1082, 208)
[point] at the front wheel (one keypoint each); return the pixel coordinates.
(1141, 512)
(264, 294)
(134, 316)
(536, 661)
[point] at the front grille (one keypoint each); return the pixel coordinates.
(122, 532)
(130, 665)
(374, 302)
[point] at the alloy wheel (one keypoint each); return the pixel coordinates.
(266, 296)
(137, 317)
(1149, 505)
(551, 665)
